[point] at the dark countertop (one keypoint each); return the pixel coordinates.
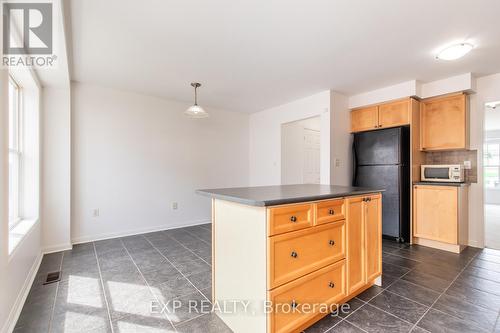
(441, 184)
(284, 194)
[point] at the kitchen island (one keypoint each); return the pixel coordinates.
(284, 256)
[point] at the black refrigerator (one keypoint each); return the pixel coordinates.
(382, 160)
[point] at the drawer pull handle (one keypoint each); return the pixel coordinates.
(294, 304)
(293, 218)
(294, 254)
(331, 285)
(331, 242)
(331, 212)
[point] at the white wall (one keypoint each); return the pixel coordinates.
(265, 137)
(56, 169)
(341, 140)
(488, 90)
(133, 155)
(18, 268)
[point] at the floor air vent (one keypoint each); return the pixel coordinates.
(53, 277)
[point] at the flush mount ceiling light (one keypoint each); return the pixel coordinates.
(196, 111)
(454, 51)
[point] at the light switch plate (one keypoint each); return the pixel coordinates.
(467, 165)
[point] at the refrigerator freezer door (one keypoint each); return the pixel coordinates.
(386, 177)
(378, 147)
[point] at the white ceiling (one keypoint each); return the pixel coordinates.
(251, 55)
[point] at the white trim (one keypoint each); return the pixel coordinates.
(12, 252)
(86, 239)
(16, 309)
(57, 248)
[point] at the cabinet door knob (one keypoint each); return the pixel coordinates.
(331, 242)
(294, 304)
(293, 218)
(294, 254)
(331, 285)
(331, 212)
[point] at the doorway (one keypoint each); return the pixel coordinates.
(491, 174)
(300, 151)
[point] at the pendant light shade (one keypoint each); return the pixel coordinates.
(196, 111)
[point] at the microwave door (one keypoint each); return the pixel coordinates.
(442, 174)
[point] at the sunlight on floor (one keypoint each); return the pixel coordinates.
(84, 291)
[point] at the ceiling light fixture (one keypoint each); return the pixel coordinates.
(454, 51)
(196, 111)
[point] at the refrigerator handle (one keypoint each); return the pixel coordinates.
(354, 163)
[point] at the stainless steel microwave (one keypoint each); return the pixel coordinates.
(453, 173)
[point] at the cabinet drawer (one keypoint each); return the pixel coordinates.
(298, 253)
(329, 211)
(289, 218)
(297, 302)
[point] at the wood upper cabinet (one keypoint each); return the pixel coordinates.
(364, 241)
(364, 119)
(394, 114)
(391, 114)
(444, 123)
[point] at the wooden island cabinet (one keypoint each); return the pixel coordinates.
(293, 257)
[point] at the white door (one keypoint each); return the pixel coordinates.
(311, 156)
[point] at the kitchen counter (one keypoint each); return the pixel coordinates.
(442, 184)
(293, 246)
(263, 196)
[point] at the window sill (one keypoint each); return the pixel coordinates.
(19, 232)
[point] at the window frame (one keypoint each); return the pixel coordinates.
(17, 150)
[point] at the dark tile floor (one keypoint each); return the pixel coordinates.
(113, 286)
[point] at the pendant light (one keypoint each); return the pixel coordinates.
(196, 111)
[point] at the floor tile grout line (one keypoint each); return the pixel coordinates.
(175, 240)
(147, 283)
(427, 306)
(55, 296)
(103, 289)
(356, 325)
(199, 291)
(451, 283)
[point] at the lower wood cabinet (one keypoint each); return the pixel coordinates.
(297, 302)
(440, 215)
(364, 241)
(293, 264)
(297, 253)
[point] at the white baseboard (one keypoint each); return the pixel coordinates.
(57, 248)
(21, 298)
(93, 238)
(475, 243)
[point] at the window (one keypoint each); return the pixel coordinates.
(15, 153)
(492, 165)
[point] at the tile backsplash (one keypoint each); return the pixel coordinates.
(455, 157)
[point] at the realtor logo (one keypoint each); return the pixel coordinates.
(27, 28)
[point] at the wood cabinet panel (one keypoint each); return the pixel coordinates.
(444, 123)
(329, 211)
(325, 286)
(435, 213)
(394, 114)
(355, 254)
(290, 218)
(373, 237)
(298, 253)
(364, 119)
